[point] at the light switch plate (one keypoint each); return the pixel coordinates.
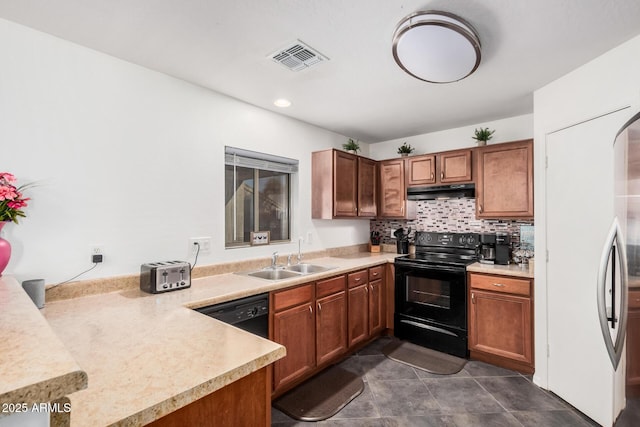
(260, 237)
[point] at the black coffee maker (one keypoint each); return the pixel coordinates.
(487, 248)
(503, 248)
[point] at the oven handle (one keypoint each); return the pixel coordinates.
(423, 326)
(425, 267)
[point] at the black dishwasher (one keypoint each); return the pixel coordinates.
(250, 314)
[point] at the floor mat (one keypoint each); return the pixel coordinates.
(322, 396)
(423, 358)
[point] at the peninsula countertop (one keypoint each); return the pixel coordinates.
(148, 355)
(35, 366)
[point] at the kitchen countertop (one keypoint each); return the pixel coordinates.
(148, 355)
(35, 366)
(504, 270)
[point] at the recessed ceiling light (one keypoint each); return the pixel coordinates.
(282, 103)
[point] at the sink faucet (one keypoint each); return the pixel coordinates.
(299, 251)
(274, 259)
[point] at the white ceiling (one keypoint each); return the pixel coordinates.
(360, 92)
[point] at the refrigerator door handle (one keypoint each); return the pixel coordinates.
(614, 243)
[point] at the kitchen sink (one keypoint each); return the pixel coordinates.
(308, 268)
(273, 274)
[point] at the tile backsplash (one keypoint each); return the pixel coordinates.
(451, 215)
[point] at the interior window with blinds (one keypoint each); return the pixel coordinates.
(257, 195)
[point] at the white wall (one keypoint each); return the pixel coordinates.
(607, 83)
(131, 159)
(509, 129)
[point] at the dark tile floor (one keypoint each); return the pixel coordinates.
(480, 395)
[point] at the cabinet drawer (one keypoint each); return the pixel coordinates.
(375, 273)
(329, 286)
(357, 278)
(292, 297)
(502, 284)
(634, 299)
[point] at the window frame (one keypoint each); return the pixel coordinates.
(253, 160)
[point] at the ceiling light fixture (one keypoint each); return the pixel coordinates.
(437, 47)
(282, 103)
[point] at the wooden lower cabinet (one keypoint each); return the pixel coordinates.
(501, 321)
(358, 314)
(320, 322)
(246, 402)
(331, 326)
(633, 345)
(294, 328)
(376, 306)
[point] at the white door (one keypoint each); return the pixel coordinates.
(580, 210)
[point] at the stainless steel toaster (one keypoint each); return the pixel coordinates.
(157, 277)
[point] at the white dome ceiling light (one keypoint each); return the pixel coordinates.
(437, 47)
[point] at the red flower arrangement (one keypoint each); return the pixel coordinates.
(11, 200)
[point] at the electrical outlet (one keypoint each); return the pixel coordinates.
(203, 242)
(391, 231)
(97, 253)
(309, 237)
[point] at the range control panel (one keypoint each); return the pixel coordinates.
(456, 240)
(157, 277)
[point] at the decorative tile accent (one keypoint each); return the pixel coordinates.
(451, 215)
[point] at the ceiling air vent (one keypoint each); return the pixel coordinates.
(298, 56)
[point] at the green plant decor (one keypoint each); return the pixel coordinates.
(405, 149)
(483, 135)
(351, 145)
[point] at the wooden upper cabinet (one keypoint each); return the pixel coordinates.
(343, 185)
(421, 170)
(447, 167)
(393, 191)
(455, 166)
(504, 184)
(367, 188)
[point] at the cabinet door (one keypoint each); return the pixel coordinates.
(294, 328)
(367, 188)
(358, 314)
(455, 166)
(345, 184)
(376, 307)
(421, 170)
(504, 186)
(331, 326)
(392, 188)
(500, 324)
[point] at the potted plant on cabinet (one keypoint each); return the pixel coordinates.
(483, 135)
(405, 149)
(351, 146)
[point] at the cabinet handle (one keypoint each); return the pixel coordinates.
(500, 285)
(310, 309)
(432, 175)
(358, 279)
(441, 175)
(473, 298)
(319, 308)
(480, 210)
(355, 210)
(402, 210)
(366, 289)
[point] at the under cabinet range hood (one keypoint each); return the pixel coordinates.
(437, 192)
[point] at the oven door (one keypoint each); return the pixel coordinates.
(435, 294)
